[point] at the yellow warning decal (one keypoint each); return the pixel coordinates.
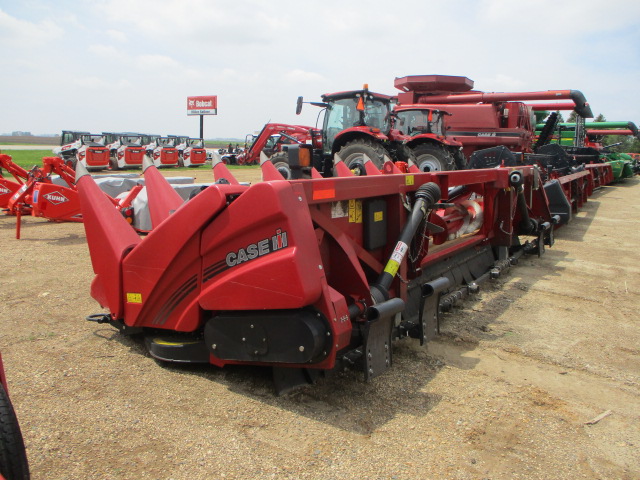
(392, 267)
(134, 298)
(355, 211)
(409, 180)
(378, 216)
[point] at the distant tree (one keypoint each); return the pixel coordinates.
(560, 117)
(600, 118)
(572, 117)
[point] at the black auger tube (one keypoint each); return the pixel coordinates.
(426, 196)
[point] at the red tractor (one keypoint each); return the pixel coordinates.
(481, 120)
(270, 141)
(358, 124)
(434, 151)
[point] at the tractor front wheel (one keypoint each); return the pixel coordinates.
(280, 160)
(352, 154)
(432, 158)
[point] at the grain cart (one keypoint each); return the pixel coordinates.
(358, 123)
(479, 119)
(309, 274)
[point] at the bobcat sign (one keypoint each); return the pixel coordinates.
(206, 105)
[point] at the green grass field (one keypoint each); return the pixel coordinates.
(28, 158)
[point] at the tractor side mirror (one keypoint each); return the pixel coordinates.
(299, 106)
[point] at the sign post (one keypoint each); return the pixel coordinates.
(203, 105)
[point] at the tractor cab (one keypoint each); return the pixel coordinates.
(93, 140)
(419, 121)
(69, 136)
(353, 111)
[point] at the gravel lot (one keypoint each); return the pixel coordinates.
(504, 393)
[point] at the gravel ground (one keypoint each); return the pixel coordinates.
(504, 393)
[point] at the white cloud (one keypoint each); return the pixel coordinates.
(302, 76)
(154, 61)
(117, 35)
(99, 83)
(22, 34)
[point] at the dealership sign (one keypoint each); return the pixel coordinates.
(206, 105)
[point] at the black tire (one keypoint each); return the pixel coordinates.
(460, 160)
(71, 162)
(114, 163)
(433, 158)
(281, 161)
(13, 456)
(352, 153)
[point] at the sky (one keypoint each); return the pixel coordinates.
(129, 65)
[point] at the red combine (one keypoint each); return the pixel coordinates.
(479, 119)
(308, 274)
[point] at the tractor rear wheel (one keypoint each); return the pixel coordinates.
(114, 163)
(13, 457)
(433, 158)
(280, 160)
(353, 152)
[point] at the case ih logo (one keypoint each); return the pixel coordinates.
(56, 198)
(4, 190)
(258, 249)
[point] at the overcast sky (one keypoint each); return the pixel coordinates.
(128, 65)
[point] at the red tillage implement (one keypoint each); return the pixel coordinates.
(303, 275)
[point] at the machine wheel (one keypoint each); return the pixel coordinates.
(352, 153)
(180, 162)
(281, 161)
(460, 160)
(114, 163)
(71, 162)
(432, 158)
(13, 456)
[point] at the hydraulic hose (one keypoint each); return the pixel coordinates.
(426, 197)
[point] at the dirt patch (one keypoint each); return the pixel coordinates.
(504, 393)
